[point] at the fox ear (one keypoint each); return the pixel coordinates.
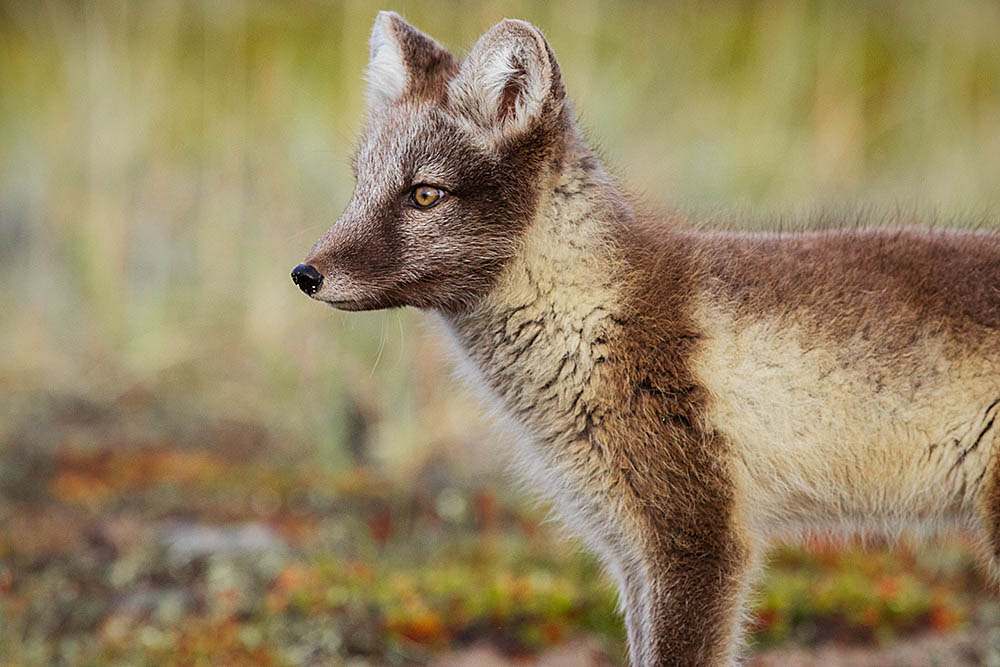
(508, 81)
(403, 61)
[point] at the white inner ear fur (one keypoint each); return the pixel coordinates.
(509, 56)
(386, 75)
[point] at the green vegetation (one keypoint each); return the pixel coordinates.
(164, 164)
(155, 548)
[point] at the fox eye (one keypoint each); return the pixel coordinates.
(426, 196)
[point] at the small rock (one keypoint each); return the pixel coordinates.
(188, 541)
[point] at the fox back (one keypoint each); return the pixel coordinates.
(684, 397)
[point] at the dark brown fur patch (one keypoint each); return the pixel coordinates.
(886, 285)
(678, 466)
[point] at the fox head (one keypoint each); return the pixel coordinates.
(449, 171)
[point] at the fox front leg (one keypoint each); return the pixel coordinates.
(683, 607)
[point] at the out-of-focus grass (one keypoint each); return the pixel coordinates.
(164, 164)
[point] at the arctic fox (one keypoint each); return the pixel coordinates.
(683, 396)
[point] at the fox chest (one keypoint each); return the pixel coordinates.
(547, 381)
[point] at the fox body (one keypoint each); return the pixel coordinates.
(683, 396)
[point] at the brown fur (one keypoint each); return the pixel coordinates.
(682, 396)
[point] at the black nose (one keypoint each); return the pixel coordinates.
(307, 278)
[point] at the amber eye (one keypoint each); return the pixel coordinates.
(426, 196)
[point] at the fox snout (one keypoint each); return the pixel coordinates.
(307, 278)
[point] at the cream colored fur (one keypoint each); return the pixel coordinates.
(386, 74)
(555, 297)
(818, 446)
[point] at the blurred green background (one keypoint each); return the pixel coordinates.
(199, 465)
